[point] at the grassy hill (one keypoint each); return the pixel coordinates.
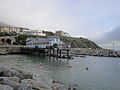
(76, 42)
(79, 42)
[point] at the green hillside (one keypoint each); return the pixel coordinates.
(79, 42)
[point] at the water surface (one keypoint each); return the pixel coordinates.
(104, 72)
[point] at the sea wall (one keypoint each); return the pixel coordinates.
(95, 52)
(14, 79)
(9, 49)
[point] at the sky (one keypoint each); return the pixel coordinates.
(98, 20)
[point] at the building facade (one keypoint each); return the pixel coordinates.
(32, 32)
(43, 42)
(9, 29)
(62, 33)
(20, 30)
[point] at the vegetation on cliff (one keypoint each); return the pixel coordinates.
(79, 42)
(21, 39)
(49, 33)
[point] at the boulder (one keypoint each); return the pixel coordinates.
(15, 79)
(26, 75)
(18, 73)
(15, 85)
(44, 80)
(36, 84)
(5, 87)
(58, 86)
(2, 69)
(12, 73)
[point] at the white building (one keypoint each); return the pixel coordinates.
(9, 29)
(43, 42)
(33, 32)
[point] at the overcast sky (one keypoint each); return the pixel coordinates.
(94, 19)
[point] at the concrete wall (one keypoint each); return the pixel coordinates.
(9, 49)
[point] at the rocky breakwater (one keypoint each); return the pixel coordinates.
(95, 52)
(14, 79)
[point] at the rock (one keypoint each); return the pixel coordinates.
(44, 80)
(26, 75)
(71, 88)
(15, 85)
(22, 87)
(36, 84)
(6, 72)
(5, 87)
(12, 73)
(58, 86)
(18, 73)
(2, 69)
(15, 79)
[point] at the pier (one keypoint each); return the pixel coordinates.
(50, 52)
(57, 52)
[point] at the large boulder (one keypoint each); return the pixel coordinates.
(12, 73)
(15, 79)
(59, 86)
(2, 69)
(44, 80)
(26, 75)
(15, 85)
(18, 73)
(38, 85)
(5, 87)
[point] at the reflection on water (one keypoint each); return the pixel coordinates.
(104, 72)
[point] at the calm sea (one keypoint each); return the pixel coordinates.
(103, 73)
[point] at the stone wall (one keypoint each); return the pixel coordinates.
(9, 49)
(95, 52)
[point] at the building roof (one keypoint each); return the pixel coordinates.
(38, 41)
(53, 37)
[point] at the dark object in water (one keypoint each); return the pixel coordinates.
(87, 68)
(40, 64)
(69, 65)
(82, 56)
(67, 57)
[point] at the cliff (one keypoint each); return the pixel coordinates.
(79, 42)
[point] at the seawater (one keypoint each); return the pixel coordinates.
(103, 73)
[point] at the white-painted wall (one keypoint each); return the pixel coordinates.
(33, 32)
(42, 42)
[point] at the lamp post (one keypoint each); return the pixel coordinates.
(113, 45)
